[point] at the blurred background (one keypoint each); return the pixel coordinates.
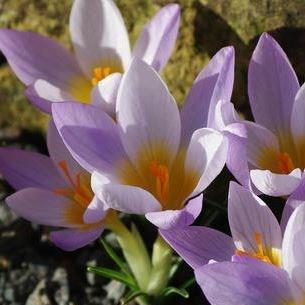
(32, 271)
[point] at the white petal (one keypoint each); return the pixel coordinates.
(99, 35)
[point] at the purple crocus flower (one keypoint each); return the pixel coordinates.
(268, 155)
(255, 231)
(153, 159)
(53, 191)
(102, 52)
(251, 282)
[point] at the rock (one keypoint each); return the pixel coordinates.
(61, 294)
(38, 296)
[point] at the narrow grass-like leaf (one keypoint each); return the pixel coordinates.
(173, 290)
(115, 275)
(120, 263)
(131, 296)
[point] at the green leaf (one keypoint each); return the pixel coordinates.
(115, 275)
(131, 296)
(120, 263)
(173, 290)
(188, 283)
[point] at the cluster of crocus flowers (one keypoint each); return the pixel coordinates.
(102, 52)
(119, 143)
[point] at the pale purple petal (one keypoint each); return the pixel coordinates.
(298, 116)
(259, 142)
(198, 245)
(276, 185)
(245, 284)
(294, 247)
(95, 211)
(42, 94)
(73, 239)
(225, 114)
(147, 114)
(124, 198)
(91, 136)
(295, 199)
(248, 216)
(99, 35)
(59, 152)
(170, 219)
(272, 85)
(23, 169)
(158, 37)
(40, 206)
(237, 157)
(104, 95)
(214, 83)
(33, 57)
(206, 155)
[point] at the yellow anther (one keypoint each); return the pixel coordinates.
(161, 173)
(285, 163)
(99, 73)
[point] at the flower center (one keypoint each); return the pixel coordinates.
(99, 73)
(285, 163)
(161, 174)
(79, 190)
(260, 252)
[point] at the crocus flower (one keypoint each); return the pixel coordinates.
(251, 282)
(255, 231)
(152, 160)
(102, 50)
(53, 191)
(268, 155)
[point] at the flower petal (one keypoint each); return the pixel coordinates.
(95, 211)
(158, 37)
(214, 83)
(272, 85)
(298, 115)
(295, 199)
(42, 94)
(249, 216)
(294, 246)
(24, 169)
(198, 245)
(73, 239)
(276, 184)
(124, 198)
(33, 57)
(99, 35)
(147, 114)
(59, 152)
(104, 95)
(171, 219)
(237, 157)
(206, 155)
(90, 135)
(225, 114)
(40, 206)
(245, 284)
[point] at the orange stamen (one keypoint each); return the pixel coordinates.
(259, 254)
(99, 73)
(79, 191)
(285, 163)
(64, 167)
(161, 173)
